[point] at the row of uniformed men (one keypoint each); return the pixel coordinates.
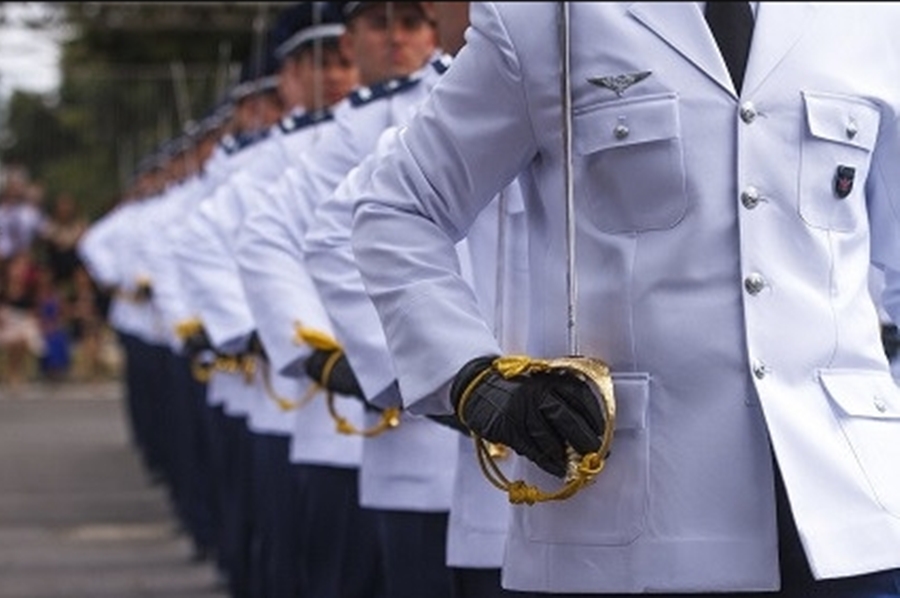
(237, 301)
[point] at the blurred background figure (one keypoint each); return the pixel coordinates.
(85, 307)
(52, 318)
(59, 234)
(20, 333)
(20, 214)
(51, 312)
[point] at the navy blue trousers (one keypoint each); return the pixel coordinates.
(156, 406)
(231, 465)
(191, 454)
(141, 389)
(413, 548)
(237, 524)
(213, 422)
(338, 536)
(129, 345)
(274, 560)
(478, 583)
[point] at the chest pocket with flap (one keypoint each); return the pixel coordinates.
(630, 164)
(841, 132)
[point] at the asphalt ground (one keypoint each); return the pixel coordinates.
(79, 516)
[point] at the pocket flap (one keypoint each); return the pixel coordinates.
(632, 393)
(625, 123)
(862, 393)
(842, 119)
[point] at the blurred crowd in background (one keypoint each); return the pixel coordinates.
(51, 312)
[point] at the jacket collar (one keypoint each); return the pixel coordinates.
(681, 25)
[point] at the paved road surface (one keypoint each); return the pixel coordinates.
(78, 516)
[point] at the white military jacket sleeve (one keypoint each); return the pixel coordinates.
(281, 296)
(127, 314)
(185, 249)
(99, 251)
(210, 275)
(497, 240)
(723, 252)
(266, 163)
(330, 262)
(279, 291)
(95, 251)
(209, 263)
(168, 293)
(145, 232)
(360, 119)
(410, 467)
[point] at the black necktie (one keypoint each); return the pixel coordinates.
(732, 26)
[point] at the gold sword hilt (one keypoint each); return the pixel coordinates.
(581, 470)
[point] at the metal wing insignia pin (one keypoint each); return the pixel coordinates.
(619, 83)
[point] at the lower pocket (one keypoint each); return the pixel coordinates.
(612, 510)
(868, 411)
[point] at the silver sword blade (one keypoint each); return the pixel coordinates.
(565, 32)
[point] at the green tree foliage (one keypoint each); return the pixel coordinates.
(132, 73)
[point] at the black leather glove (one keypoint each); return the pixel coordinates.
(255, 346)
(196, 343)
(535, 415)
(450, 421)
(342, 380)
(143, 292)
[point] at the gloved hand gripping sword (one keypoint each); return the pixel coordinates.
(258, 350)
(559, 413)
(330, 370)
(197, 348)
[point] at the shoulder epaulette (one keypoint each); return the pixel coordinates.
(232, 144)
(298, 122)
(228, 143)
(379, 91)
(442, 64)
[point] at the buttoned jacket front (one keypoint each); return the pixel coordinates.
(723, 245)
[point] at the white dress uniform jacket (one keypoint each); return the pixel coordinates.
(722, 269)
(222, 299)
(173, 289)
(159, 255)
(106, 249)
(145, 233)
(280, 295)
(200, 273)
(410, 467)
(497, 241)
(94, 248)
(272, 155)
(213, 291)
(360, 120)
(208, 256)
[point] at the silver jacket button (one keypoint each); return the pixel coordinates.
(754, 283)
(759, 370)
(621, 132)
(748, 112)
(880, 405)
(750, 197)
